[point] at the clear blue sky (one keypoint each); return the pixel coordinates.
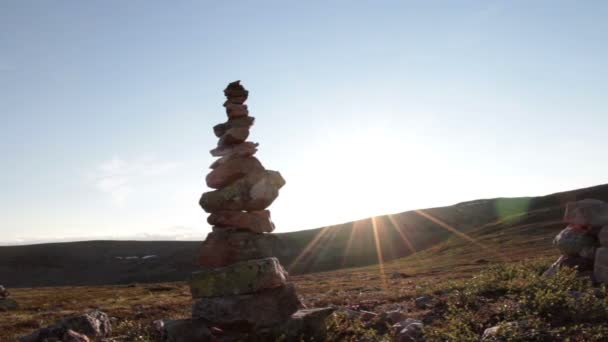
(365, 107)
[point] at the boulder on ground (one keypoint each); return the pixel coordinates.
(94, 324)
(305, 325)
(423, 302)
(249, 311)
(587, 212)
(240, 278)
(572, 241)
(493, 333)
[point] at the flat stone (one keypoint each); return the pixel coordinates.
(255, 221)
(587, 212)
(233, 136)
(223, 248)
(240, 150)
(256, 191)
(185, 330)
(242, 122)
(574, 241)
(231, 170)
(234, 110)
(600, 267)
(240, 278)
(249, 311)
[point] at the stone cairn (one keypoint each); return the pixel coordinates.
(241, 291)
(584, 242)
(7, 303)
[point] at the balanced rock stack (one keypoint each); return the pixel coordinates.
(584, 242)
(6, 303)
(242, 290)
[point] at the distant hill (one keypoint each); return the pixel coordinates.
(509, 225)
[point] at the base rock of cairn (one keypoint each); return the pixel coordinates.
(242, 292)
(584, 242)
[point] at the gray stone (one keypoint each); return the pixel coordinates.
(587, 212)
(263, 309)
(8, 304)
(409, 330)
(231, 170)
(572, 242)
(94, 324)
(423, 302)
(494, 333)
(240, 278)
(185, 330)
(254, 221)
(256, 191)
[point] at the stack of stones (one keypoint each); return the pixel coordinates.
(584, 242)
(6, 303)
(241, 288)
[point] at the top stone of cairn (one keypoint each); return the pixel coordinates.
(236, 93)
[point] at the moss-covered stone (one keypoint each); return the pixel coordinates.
(241, 278)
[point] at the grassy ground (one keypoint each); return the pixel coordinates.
(134, 307)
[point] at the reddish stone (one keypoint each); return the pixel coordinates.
(223, 248)
(244, 121)
(255, 221)
(233, 136)
(243, 149)
(231, 170)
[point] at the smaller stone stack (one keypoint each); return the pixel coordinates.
(584, 242)
(7, 303)
(242, 290)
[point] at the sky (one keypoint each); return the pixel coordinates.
(365, 107)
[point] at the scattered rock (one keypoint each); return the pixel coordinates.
(399, 275)
(423, 302)
(493, 333)
(241, 278)
(409, 330)
(307, 324)
(80, 328)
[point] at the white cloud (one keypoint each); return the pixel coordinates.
(120, 178)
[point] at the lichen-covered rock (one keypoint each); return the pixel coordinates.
(587, 212)
(256, 191)
(243, 277)
(222, 248)
(255, 221)
(572, 242)
(233, 169)
(262, 309)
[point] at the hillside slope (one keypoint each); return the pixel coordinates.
(492, 229)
